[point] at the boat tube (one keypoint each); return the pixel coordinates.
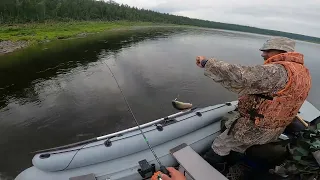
(117, 156)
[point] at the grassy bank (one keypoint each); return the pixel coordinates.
(121, 37)
(39, 32)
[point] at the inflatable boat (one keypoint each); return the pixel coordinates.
(125, 154)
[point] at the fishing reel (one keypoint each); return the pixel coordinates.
(147, 171)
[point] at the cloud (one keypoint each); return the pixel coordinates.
(294, 16)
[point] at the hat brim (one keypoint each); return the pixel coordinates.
(265, 49)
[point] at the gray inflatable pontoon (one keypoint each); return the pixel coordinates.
(116, 156)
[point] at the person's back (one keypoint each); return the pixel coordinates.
(276, 110)
(279, 108)
(270, 96)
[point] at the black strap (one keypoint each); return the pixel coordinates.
(253, 114)
(264, 96)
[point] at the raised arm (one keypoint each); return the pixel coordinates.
(258, 79)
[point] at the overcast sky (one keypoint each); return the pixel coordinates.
(297, 16)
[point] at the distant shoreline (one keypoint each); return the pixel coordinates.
(14, 37)
(55, 19)
(19, 36)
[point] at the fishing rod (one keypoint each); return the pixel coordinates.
(162, 167)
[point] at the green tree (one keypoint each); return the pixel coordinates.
(24, 11)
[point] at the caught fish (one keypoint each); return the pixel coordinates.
(181, 105)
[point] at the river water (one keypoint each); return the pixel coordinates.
(63, 92)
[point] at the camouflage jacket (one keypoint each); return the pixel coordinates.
(259, 79)
(244, 80)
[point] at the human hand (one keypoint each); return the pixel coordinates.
(199, 59)
(175, 175)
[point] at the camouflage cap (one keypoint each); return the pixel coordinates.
(279, 43)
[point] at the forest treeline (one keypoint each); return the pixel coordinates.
(28, 11)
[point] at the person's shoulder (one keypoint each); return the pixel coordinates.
(273, 68)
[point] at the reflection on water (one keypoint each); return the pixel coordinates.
(63, 92)
(17, 79)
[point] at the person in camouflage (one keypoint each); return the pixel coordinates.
(270, 96)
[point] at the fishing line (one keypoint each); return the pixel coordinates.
(133, 116)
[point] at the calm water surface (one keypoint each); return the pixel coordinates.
(65, 93)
